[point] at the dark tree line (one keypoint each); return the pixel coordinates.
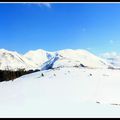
(6, 75)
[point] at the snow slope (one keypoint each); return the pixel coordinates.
(39, 56)
(62, 92)
(41, 59)
(11, 60)
(72, 58)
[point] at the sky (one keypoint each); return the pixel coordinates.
(57, 26)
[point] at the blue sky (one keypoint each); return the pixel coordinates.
(56, 26)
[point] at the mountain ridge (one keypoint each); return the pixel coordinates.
(36, 59)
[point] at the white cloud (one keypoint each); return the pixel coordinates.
(46, 4)
(110, 55)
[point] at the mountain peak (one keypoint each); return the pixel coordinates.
(36, 58)
(3, 50)
(12, 60)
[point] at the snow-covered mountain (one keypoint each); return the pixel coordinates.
(39, 56)
(11, 60)
(72, 58)
(65, 91)
(112, 58)
(41, 59)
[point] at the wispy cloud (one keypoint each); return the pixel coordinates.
(40, 4)
(112, 54)
(46, 4)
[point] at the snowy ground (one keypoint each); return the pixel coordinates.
(64, 92)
